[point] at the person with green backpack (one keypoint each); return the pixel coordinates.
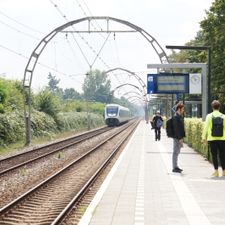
(214, 134)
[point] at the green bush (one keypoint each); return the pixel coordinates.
(97, 107)
(12, 127)
(71, 105)
(42, 124)
(78, 120)
(193, 131)
(47, 102)
(11, 97)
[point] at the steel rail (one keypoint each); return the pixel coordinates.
(18, 200)
(84, 189)
(92, 134)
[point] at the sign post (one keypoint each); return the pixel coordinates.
(168, 83)
(194, 82)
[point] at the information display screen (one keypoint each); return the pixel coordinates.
(168, 83)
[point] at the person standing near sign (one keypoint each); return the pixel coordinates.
(157, 124)
(214, 133)
(178, 135)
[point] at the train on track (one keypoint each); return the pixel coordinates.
(116, 114)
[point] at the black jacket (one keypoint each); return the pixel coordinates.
(178, 126)
(155, 118)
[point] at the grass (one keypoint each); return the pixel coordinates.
(60, 155)
(36, 141)
(82, 209)
(23, 171)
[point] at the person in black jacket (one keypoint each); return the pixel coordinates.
(179, 134)
(157, 122)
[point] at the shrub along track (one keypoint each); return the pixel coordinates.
(51, 200)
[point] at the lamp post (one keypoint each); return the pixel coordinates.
(199, 48)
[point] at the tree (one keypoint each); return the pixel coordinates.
(53, 86)
(3, 92)
(3, 96)
(213, 28)
(191, 56)
(53, 83)
(71, 93)
(47, 102)
(211, 34)
(96, 86)
(11, 96)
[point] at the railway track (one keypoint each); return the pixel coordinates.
(19, 160)
(50, 201)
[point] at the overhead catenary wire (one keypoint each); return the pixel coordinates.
(64, 16)
(31, 36)
(116, 48)
(19, 31)
(100, 49)
(86, 42)
(44, 65)
(95, 28)
(22, 24)
(82, 38)
(57, 8)
(39, 63)
(70, 47)
(12, 51)
(89, 14)
(117, 55)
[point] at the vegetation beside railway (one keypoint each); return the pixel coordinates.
(57, 110)
(54, 110)
(193, 131)
(12, 127)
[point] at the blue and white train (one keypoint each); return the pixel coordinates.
(116, 114)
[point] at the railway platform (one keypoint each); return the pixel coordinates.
(142, 190)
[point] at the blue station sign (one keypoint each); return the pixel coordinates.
(168, 83)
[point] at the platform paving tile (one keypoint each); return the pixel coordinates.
(162, 198)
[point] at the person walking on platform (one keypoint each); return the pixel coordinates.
(214, 133)
(157, 124)
(179, 134)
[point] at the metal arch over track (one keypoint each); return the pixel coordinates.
(136, 96)
(132, 92)
(28, 74)
(139, 99)
(143, 85)
(144, 99)
(141, 91)
(133, 74)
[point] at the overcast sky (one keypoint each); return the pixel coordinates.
(24, 23)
